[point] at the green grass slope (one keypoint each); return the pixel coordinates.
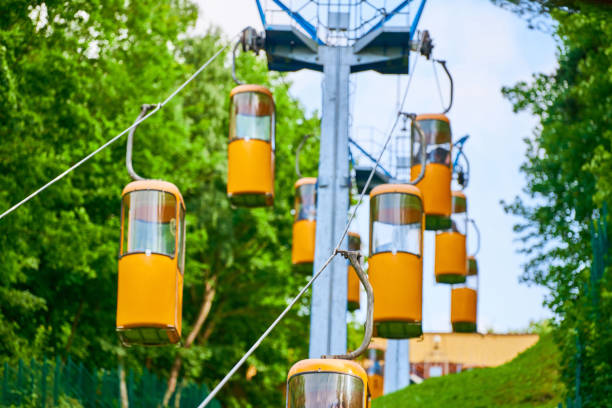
(530, 380)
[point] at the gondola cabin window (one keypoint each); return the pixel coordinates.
(252, 117)
(396, 223)
(149, 223)
(330, 390)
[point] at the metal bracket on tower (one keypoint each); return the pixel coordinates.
(423, 44)
(251, 40)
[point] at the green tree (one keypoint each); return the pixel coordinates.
(568, 182)
(73, 74)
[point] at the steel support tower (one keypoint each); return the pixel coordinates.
(338, 38)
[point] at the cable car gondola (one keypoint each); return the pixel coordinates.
(250, 170)
(353, 280)
(333, 381)
(464, 298)
(436, 187)
(304, 224)
(451, 259)
(327, 383)
(396, 264)
(463, 309)
(151, 260)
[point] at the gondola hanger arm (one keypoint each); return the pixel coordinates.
(297, 155)
(144, 109)
(452, 87)
(354, 258)
(473, 222)
(415, 123)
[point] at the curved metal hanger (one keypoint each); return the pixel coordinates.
(130, 141)
(236, 80)
(297, 155)
(450, 78)
(354, 258)
(463, 176)
(473, 222)
(419, 129)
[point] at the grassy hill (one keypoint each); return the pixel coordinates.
(530, 380)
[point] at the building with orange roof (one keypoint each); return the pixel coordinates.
(437, 354)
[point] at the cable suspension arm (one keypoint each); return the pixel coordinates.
(354, 258)
(452, 88)
(473, 222)
(130, 141)
(297, 155)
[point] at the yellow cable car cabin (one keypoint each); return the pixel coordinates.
(250, 169)
(436, 185)
(304, 224)
(354, 244)
(327, 383)
(375, 372)
(151, 264)
(472, 266)
(464, 301)
(451, 259)
(396, 263)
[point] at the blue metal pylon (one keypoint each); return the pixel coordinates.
(337, 39)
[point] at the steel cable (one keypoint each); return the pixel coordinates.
(117, 137)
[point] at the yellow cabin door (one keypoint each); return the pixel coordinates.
(149, 296)
(250, 169)
(397, 281)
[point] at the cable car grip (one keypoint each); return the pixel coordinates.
(423, 44)
(354, 258)
(250, 40)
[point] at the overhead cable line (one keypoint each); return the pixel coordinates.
(336, 250)
(117, 137)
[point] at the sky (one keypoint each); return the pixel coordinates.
(486, 48)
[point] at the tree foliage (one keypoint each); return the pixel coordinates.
(568, 170)
(72, 75)
(537, 12)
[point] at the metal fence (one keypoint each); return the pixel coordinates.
(69, 384)
(600, 245)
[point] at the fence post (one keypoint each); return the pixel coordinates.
(56, 380)
(44, 383)
(130, 387)
(19, 378)
(66, 377)
(5, 380)
(33, 370)
(80, 376)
